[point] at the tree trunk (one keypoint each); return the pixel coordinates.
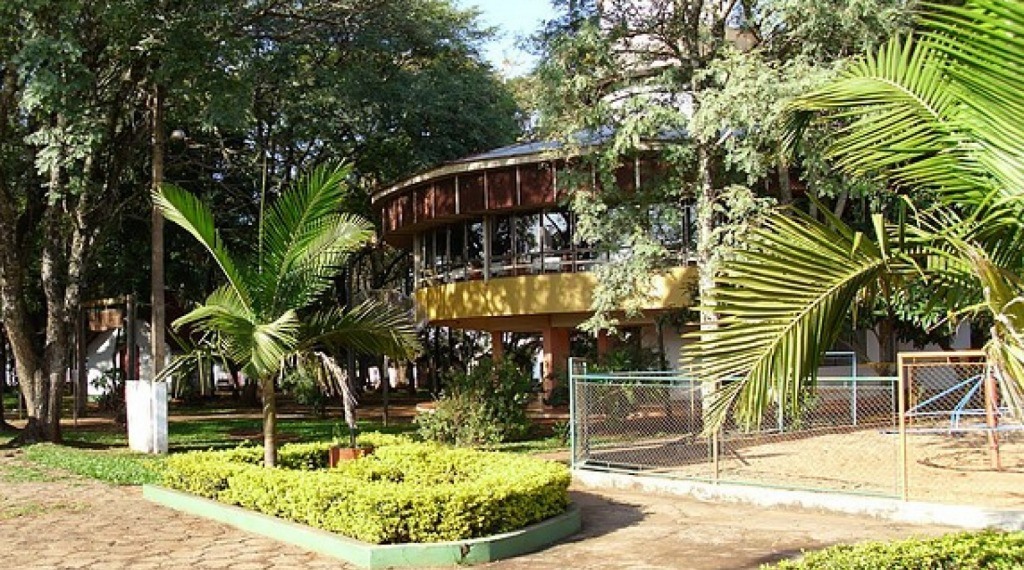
(17, 321)
(841, 201)
(250, 392)
(81, 356)
(64, 244)
(886, 347)
(61, 268)
(785, 190)
(3, 379)
(159, 315)
(706, 199)
(269, 422)
(55, 354)
(705, 260)
(385, 388)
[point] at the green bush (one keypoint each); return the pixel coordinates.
(988, 549)
(306, 390)
(484, 407)
(206, 473)
(403, 492)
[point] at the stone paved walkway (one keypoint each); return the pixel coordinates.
(70, 522)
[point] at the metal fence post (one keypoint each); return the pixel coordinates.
(902, 410)
(715, 445)
(992, 416)
(779, 413)
(714, 454)
(853, 366)
(573, 413)
(853, 404)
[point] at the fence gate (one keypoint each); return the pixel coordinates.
(637, 421)
(958, 435)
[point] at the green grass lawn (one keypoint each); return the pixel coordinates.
(119, 467)
(218, 433)
(10, 402)
(100, 452)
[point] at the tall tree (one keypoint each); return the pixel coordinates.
(68, 103)
(3, 380)
(270, 85)
(392, 87)
(696, 88)
(935, 113)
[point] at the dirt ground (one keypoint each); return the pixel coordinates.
(824, 451)
(70, 522)
(941, 467)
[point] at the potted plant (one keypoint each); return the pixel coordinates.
(338, 452)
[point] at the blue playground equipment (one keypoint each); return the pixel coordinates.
(971, 387)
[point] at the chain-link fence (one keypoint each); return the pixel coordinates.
(848, 436)
(653, 423)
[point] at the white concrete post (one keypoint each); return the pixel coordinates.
(147, 415)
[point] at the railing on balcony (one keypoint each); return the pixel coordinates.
(523, 244)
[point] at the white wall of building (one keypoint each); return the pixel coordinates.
(675, 345)
(101, 355)
(961, 341)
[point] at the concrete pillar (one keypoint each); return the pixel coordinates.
(497, 346)
(556, 356)
(146, 404)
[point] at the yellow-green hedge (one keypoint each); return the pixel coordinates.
(404, 492)
(961, 551)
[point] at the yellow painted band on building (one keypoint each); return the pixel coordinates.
(540, 295)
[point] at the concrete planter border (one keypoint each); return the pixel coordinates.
(470, 551)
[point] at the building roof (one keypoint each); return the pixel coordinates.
(518, 153)
(511, 151)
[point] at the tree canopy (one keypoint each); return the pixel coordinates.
(255, 92)
(700, 86)
(929, 113)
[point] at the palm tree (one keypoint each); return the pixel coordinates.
(266, 317)
(938, 113)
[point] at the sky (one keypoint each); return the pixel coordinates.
(514, 19)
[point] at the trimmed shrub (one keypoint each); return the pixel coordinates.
(987, 549)
(484, 407)
(404, 492)
(204, 473)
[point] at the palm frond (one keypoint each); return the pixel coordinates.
(782, 301)
(938, 112)
(272, 341)
(331, 378)
(225, 316)
(1004, 295)
(309, 274)
(371, 327)
(305, 237)
(983, 42)
(186, 210)
(902, 116)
